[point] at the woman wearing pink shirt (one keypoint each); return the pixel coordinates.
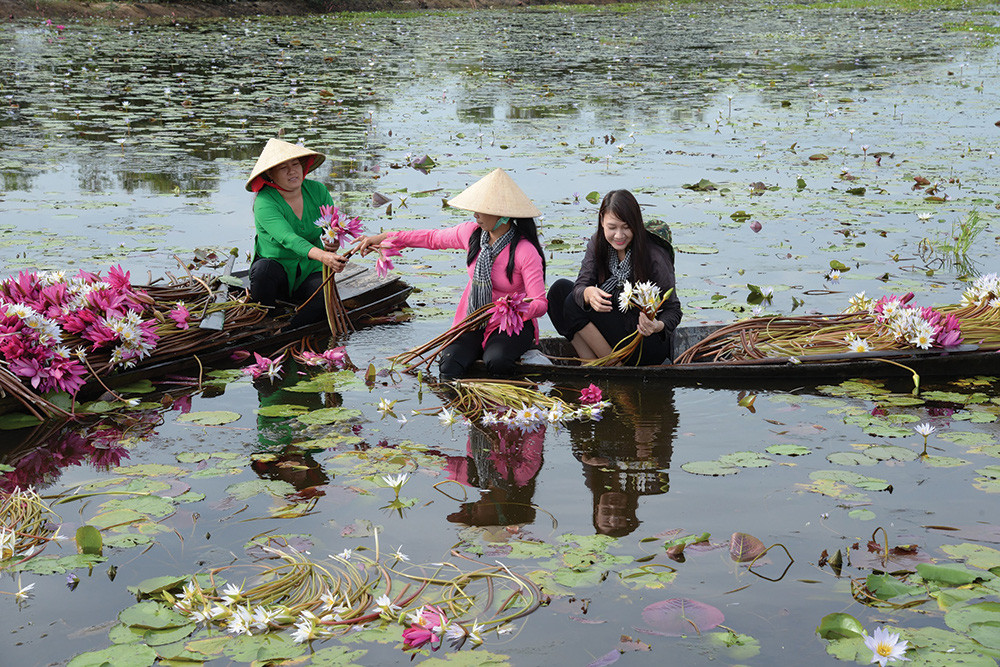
(503, 257)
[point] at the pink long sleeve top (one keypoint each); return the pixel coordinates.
(529, 277)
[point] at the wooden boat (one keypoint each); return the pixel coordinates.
(365, 296)
(961, 361)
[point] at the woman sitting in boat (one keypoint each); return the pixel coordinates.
(622, 250)
(288, 255)
(504, 258)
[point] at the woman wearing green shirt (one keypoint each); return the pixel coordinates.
(288, 255)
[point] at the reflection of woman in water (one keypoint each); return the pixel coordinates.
(502, 462)
(626, 455)
(291, 463)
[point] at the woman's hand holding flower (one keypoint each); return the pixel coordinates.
(367, 244)
(648, 326)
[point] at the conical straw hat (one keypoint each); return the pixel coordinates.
(495, 194)
(277, 151)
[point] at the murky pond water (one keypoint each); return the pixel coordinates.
(864, 138)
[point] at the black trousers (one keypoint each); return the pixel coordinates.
(500, 354)
(269, 283)
(568, 318)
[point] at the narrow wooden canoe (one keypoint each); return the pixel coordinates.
(965, 360)
(365, 296)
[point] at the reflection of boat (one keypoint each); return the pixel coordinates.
(963, 360)
(365, 296)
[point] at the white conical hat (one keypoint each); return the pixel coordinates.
(495, 194)
(277, 151)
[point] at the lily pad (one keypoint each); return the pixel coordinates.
(123, 655)
(209, 417)
(788, 450)
(711, 468)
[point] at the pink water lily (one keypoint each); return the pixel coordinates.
(427, 626)
(507, 315)
(383, 265)
(265, 367)
(336, 358)
(337, 230)
(180, 315)
(590, 395)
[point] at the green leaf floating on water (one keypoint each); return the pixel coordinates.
(254, 487)
(89, 541)
(121, 655)
(330, 415)
(851, 478)
(152, 615)
(593, 197)
(209, 417)
(746, 460)
(976, 555)
(267, 648)
(951, 574)
(283, 410)
(711, 468)
(477, 658)
(839, 626)
(57, 565)
(851, 459)
(737, 646)
(337, 656)
(788, 450)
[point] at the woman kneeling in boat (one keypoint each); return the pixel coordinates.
(504, 258)
(288, 255)
(622, 250)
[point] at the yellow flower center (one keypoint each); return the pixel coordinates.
(884, 649)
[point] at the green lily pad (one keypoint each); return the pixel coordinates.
(152, 615)
(337, 656)
(123, 655)
(861, 514)
(249, 489)
(210, 417)
(283, 410)
(839, 626)
(745, 460)
(788, 450)
(951, 574)
(267, 648)
(976, 555)
(851, 459)
(961, 618)
(329, 415)
(711, 468)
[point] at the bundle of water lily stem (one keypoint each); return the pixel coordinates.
(890, 323)
(329, 597)
(57, 332)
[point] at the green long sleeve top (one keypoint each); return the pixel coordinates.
(286, 238)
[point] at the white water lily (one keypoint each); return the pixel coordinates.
(860, 345)
(385, 406)
(396, 481)
(8, 541)
(23, 592)
(885, 646)
(386, 607)
(345, 554)
(231, 593)
(447, 417)
(399, 555)
(924, 429)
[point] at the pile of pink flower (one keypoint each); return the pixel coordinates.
(49, 323)
(921, 327)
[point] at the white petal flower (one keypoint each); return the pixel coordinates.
(399, 555)
(924, 429)
(885, 646)
(396, 481)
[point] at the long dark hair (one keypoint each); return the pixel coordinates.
(523, 228)
(623, 205)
